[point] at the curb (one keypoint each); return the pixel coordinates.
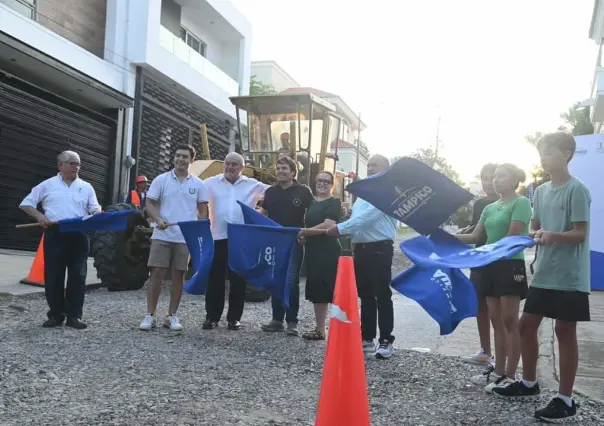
(39, 294)
(547, 365)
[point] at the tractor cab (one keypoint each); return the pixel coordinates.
(301, 126)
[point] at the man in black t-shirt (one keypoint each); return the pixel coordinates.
(286, 203)
(484, 356)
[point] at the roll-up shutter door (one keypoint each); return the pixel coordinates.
(33, 131)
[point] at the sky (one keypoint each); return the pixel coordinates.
(493, 71)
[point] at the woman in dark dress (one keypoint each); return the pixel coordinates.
(322, 252)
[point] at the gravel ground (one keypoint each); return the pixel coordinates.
(113, 374)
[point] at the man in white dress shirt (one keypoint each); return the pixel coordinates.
(174, 196)
(224, 191)
(63, 196)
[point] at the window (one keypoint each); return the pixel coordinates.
(24, 7)
(192, 41)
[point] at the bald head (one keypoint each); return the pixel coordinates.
(377, 163)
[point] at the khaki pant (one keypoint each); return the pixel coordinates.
(165, 254)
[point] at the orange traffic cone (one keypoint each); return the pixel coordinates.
(343, 398)
(36, 272)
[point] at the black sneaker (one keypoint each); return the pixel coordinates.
(76, 323)
(517, 390)
(557, 412)
(52, 322)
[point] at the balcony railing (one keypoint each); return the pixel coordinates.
(179, 48)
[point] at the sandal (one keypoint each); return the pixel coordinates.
(313, 335)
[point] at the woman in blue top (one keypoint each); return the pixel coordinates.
(504, 282)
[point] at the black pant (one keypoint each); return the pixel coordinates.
(65, 250)
(372, 268)
(216, 287)
(293, 282)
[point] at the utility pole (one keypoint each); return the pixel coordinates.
(437, 140)
(358, 146)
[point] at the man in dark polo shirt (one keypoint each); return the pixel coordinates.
(286, 203)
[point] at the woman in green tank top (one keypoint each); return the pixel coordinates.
(504, 282)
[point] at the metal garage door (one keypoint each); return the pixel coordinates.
(33, 131)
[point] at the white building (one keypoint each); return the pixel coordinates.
(269, 72)
(596, 101)
(189, 57)
(347, 157)
(112, 79)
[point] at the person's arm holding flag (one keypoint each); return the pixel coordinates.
(331, 219)
(153, 198)
(93, 204)
(357, 222)
(30, 203)
(477, 236)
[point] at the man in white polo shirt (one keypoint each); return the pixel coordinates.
(224, 191)
(64, 196)
(175, 196)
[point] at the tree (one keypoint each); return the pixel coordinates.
(533, 138)
(438, 163)
(577, 120)
(258, 88)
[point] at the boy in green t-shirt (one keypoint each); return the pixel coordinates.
(561, 284)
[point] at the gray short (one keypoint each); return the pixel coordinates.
(165, 254)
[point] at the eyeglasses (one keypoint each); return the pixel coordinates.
(323, 181)
(72, 163)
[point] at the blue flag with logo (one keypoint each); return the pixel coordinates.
(253, 217)
(200, 243)
(442, 250)
(108, 221)
(261, 255)
(413, 193)
(447, 295)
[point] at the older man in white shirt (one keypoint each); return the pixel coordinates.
(63, 196)
(224, 191)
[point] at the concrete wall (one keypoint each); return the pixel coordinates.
(171, 16)
(45, 40)
(82, 22)
(269, 72)
(348, 161)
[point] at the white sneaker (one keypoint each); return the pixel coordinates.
(368, 346)
(480, 358)
(173, 323)
(384, 350)
(486, 377)
(502, 382)
(148, 323)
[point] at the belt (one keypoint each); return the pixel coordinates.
(373, 244)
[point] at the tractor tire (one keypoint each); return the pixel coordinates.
(117, 269)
